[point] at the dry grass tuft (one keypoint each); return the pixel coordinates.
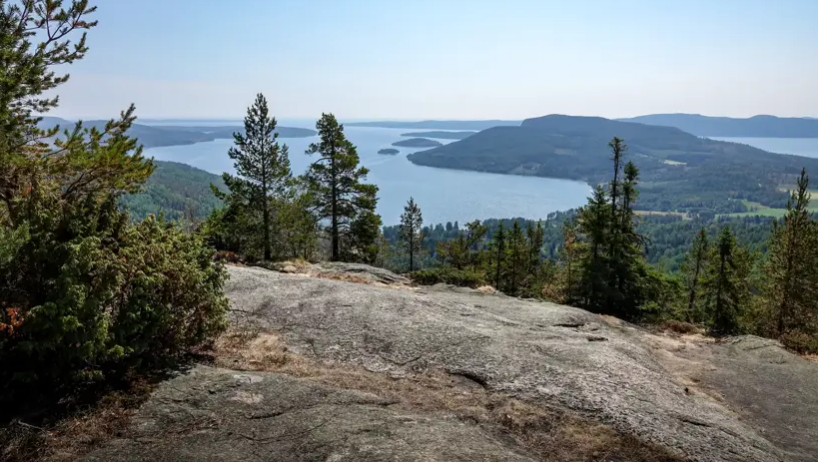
(680, 327)
(554, 434)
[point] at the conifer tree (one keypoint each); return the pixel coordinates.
(628, 265)
(792, 269)
(594, 223)
(411, 235)
(263, 167)
(518, 256)
(498, 254)
(693, 269)
(617, 155)
(726, 284)
(462, 251)
(569, 259)
(341, 196)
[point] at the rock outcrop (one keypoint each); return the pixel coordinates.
(363, 372)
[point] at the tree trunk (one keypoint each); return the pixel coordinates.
(411, 249)
(692, 299)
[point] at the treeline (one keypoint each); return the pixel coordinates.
(763, 283)
(667, 237)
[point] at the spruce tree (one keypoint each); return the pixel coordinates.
(628, 261)
(263, 167)
(594, 221)
(792, 269)
(341, 196)
(617, 155)
(411, 235)
(726, 284)
(693, 269)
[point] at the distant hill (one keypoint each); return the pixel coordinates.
(417, 143)
(439, 124)
(221, 132)
(679, 171)
(173, 189)
(440, 135)
(760, 126)
(167, 135)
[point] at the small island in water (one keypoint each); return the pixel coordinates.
(388, 151)
(417, 143)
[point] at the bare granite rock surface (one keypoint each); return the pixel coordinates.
(742, 400)
(220, 415)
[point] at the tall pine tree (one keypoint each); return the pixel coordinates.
(263, 167)
(341, 196)
(791, 288)
(411, 234)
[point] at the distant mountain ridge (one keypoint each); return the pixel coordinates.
(151, 136)
(441, 135)
(680, 172)
(438, 124)
(760, 126)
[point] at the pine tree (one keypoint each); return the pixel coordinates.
(263, 167)
(341, 196)
(693, 269)
(726, 284)
(792, 269)
(411, 225)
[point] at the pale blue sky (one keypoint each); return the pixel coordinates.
(455, 59)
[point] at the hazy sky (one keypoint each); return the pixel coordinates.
(465, 59)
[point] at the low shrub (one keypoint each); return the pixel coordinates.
(90, 296)
(448, 275)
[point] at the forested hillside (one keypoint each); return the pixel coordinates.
(761, 126)
(177, 191)
(680, 172)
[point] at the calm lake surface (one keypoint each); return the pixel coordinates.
(443, 195)
(807, 147)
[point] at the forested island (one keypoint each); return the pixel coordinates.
(417, 143)
(152, 136)
(440, 135)
(388, 151)
(760, 126)
(682, 173)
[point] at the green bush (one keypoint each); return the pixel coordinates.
(85, 294)
(90, 296)
(448, 275)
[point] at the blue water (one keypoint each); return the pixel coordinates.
(443, 195)
(807, 147)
